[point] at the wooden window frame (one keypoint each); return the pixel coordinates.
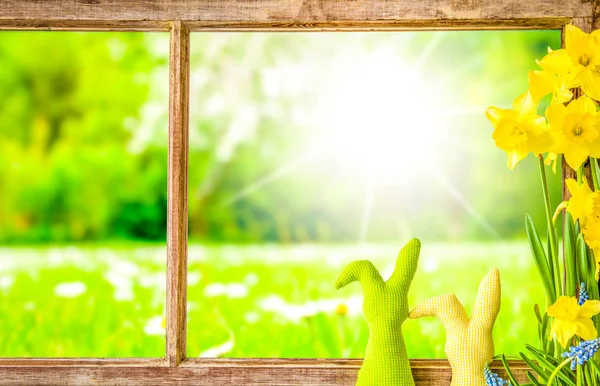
(181, 17)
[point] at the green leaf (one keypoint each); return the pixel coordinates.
(541, 262)
(544, 375)
(549, 363)
(538, 316)
(532, 379)
(569, 246)
(582, 260)
(511, 376)
(595, 173)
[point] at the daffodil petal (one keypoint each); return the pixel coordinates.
(590, 83)
(576, 156)
(571, 80)
(563, 96)
(556, 116)
(586, 329)
(541, 83)
(525, 106)
(495, 114)
(575, 38)
(572, 185)
(539, 143)
(589, 309)
(563, 331)
(514, 157)
(582, 105)
(557, 62)
(594, 148)
(551, 159)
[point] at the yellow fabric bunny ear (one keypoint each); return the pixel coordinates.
(469, 343)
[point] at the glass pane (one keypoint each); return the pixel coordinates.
(308, 151)
(83, 175)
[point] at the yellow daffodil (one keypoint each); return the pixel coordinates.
(571, 319)
(551, 159)
(575, 130)
(580, 59)
(519, 130)
(581, 203)
(591, 235)
(591, 231)
(542, 83)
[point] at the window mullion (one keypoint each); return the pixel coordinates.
(177, 223)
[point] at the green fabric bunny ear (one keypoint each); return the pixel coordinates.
(385, 307)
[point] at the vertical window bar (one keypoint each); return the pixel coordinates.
(177, 220)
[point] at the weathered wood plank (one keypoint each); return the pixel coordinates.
(177, 219)
(297, 26)
(226, 372)
(61, 362)
(290, 14)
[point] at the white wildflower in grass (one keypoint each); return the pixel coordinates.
(295, 312)
(70, 289)
(251, 279)
(231, 290)
(121, 275)
(6, 282)
(193, 278)
(251, 317)
(156, 325)
(220, 350)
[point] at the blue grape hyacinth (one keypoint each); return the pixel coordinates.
(582, 353)
(583, 295)
(492, 379)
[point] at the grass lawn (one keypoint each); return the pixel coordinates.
(244, 301)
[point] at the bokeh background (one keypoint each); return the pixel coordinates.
(307, 151)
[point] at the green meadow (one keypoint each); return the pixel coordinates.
(306, 151)
(244, 301)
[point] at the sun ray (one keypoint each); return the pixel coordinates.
(464, 203)
(427, 51)
(278, 173)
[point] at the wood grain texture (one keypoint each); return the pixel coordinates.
(226, 372)
(290, 14)
(177, 219)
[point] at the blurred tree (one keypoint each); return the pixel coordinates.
(67, 172)
(83, 139)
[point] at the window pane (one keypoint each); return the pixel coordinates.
(83, 175)
(308, 151)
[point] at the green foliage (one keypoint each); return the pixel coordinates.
(83, 138)
(66, 172)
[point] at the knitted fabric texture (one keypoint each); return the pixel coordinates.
(469, 343)
(385, 307)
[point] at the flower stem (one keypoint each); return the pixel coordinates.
(551, 231)
(557, 370)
